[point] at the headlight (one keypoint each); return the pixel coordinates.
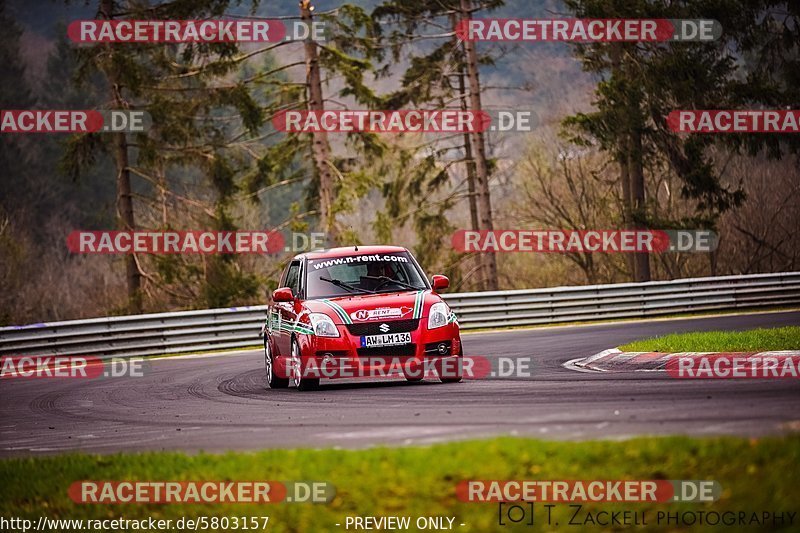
(322, 325)
(437, 317)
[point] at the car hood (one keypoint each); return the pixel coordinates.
(372, 307)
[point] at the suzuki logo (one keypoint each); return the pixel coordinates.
(384, 327)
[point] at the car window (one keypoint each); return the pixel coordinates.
(293, 277)
(363, 273)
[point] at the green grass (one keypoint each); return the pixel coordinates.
(754, 340)
(756, 475)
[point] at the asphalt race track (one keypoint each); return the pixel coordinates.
(216, 403)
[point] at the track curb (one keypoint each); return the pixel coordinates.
(615, 360)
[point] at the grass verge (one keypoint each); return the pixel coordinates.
(754, 340)
(756, 475)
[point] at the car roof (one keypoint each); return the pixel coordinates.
(350, 250)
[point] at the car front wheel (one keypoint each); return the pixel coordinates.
(296, 372)
(273, 381)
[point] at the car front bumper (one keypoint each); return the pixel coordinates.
(344, 356)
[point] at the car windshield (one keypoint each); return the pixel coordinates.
(362, 274)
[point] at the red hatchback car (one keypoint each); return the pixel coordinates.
(364, 311)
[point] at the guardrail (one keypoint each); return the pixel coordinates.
(237, 327)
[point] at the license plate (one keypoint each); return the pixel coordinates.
(388, 339)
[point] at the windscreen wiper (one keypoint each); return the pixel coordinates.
(386, 279)
(347, 286)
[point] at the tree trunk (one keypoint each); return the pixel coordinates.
(485, 222)
(624, 165)
(124, 202)
(473, 199)
(642, 260)
(627, 216)
(320, 148)
(712, 259)
(470, 160)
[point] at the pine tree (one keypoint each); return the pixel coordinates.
(642, 82)
(447, 72)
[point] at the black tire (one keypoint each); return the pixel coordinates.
(299, 381)
(273, 381)
(459, 377)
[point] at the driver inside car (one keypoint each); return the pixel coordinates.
(376, 272)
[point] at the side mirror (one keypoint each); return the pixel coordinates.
(439, 283)
(284, 294)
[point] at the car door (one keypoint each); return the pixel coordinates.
(284, 313)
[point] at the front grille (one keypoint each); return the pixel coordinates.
(403, 350)
(374, 328)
